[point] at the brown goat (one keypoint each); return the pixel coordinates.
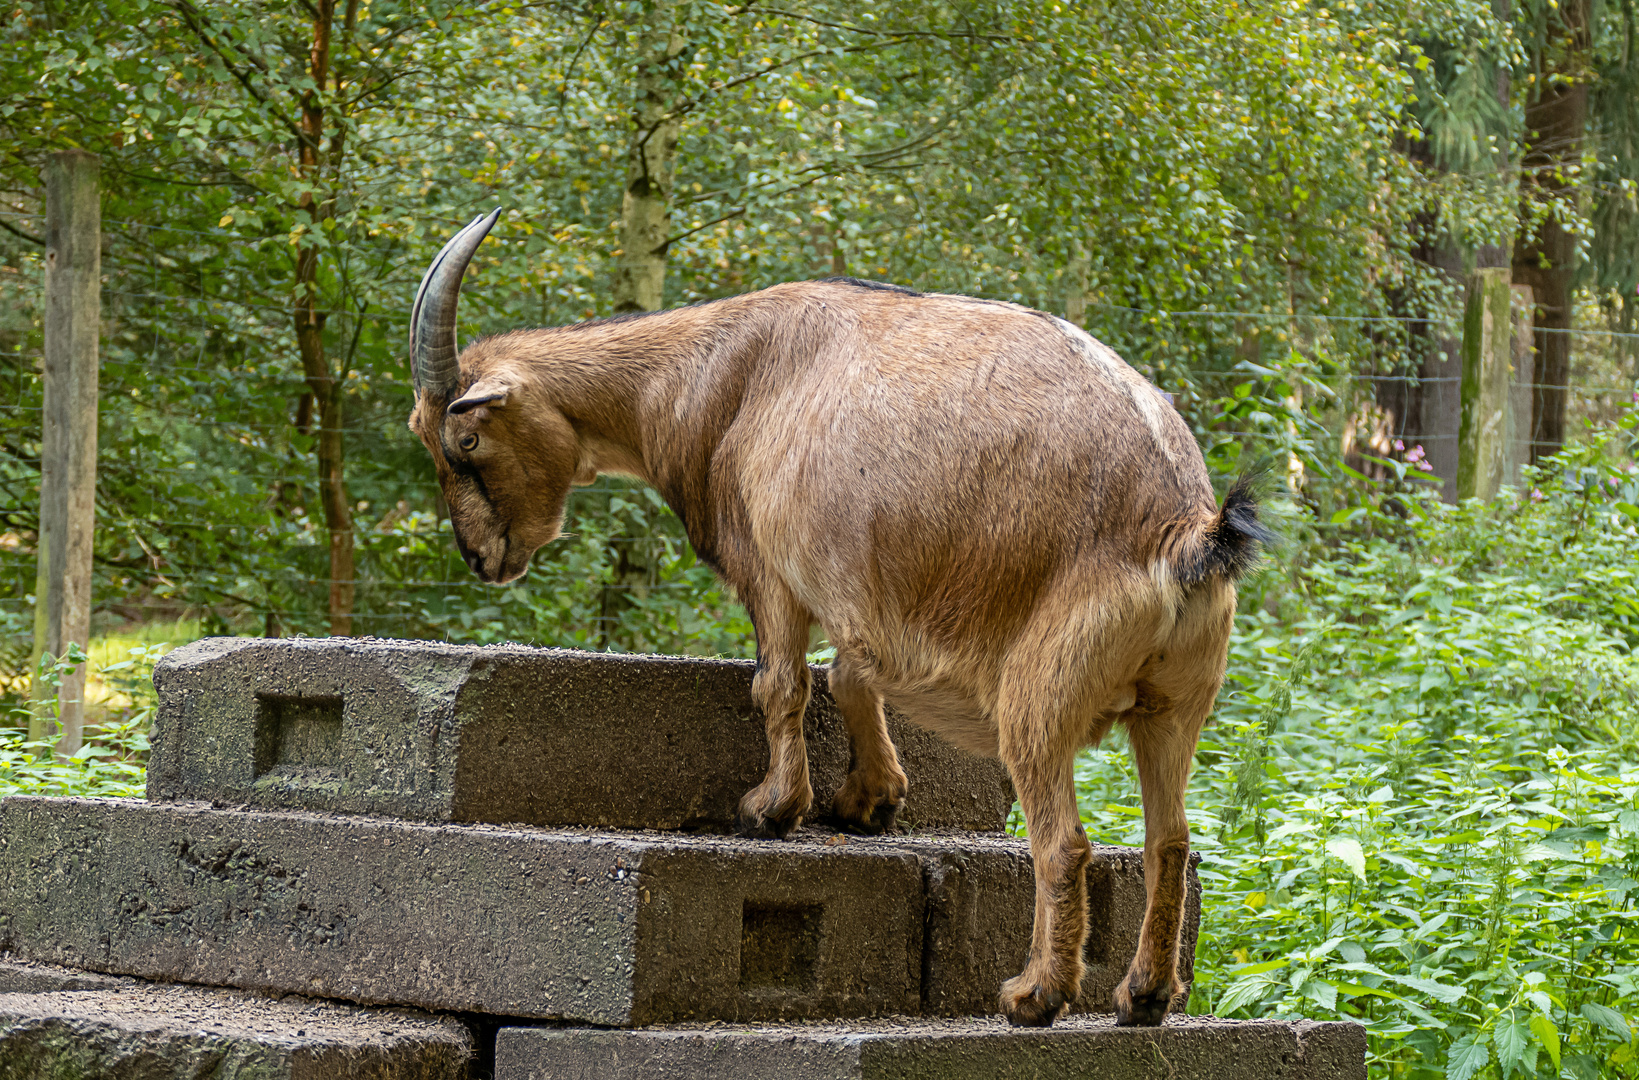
(1004, 530)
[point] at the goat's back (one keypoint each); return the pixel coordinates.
(937, 461)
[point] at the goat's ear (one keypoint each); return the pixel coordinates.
(483, 392)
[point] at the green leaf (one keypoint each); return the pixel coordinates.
(1510, 1038)
(1321, 992)
(1241, 993)
(1437, 990)
(1547, 1034)
(1608, 1018)
(1346, 850)
(1469, 1055)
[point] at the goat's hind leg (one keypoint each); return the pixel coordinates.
(1039, 751)
(780, 688)
(1163, 734)
(871, 797)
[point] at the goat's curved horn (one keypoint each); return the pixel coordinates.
(432, 319)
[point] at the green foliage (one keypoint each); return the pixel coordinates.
(112, 760)
(1418, 805)
(1248, 160)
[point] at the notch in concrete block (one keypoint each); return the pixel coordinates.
(780, 946)
(297, 731)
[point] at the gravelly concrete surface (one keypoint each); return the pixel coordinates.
(505, 733)
(1077, 1048)
(592, 926)
(189, 1033)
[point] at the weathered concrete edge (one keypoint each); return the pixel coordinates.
(162, 1032)
(1193, 1048)
(22, 976)
(438, 790)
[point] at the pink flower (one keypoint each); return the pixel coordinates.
(1399, 445)
(1425, 466)
(1537, 495)
(1415, 454)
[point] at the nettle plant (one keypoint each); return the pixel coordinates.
(1419, 805)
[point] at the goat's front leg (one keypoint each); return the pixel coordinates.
(870, 798)
(1042, 775)
(1163, 742)
(780, 688)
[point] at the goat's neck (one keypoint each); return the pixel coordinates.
(617, 383)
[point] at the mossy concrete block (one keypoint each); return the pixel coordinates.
(585, 926)
(508, 734)
(188, 1033)
(1184, 1048)
(981, 908)
(601, 928)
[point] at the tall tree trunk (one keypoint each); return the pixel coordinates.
(322, 382)
(1555, 118)
(645, 213)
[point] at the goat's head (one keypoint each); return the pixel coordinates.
(505, 455)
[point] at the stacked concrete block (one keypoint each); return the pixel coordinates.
(975, 1048)
(541, 836)
(503, 733)
(189, 1033)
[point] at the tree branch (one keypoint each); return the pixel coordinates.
(15, 231)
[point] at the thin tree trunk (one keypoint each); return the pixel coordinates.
(322, 382)
(645, 219)
(645, 223)
(1556, 119)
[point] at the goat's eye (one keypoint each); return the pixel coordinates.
(469, 442)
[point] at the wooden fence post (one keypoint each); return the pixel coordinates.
(68, 459)
(1521, 392)
(1482, 440)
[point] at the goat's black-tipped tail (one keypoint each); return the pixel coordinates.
(1230, 544)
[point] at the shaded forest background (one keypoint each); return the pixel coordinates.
(1261, 206)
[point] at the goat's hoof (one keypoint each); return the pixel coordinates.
(1146, 1009)
(858, 809)
(765, 828)
(765, 818)
(1027, 1003)
(880, 819)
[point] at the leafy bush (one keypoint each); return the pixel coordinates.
(1418, 806)
(113, 758)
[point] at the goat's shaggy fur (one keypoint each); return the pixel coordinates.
(1004, 530)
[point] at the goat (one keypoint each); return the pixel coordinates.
(1004, 530)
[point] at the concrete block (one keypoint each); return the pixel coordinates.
(1184, 1048)
(981, 905)
(602, 928)
(586, 926)
(187, 1033)
(508, 734)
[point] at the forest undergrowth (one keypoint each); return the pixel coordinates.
(1418, 803)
